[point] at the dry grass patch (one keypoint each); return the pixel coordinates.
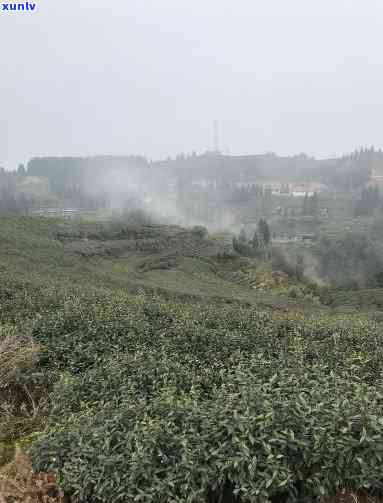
(19, 484)
(16, 354)
(347, 496)
(21, 398)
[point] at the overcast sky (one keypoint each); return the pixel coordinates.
(148, 77)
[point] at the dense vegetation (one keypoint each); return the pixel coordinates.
(156, 401)
(145, 361)
(202, 187)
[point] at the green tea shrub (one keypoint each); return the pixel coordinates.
(295, 292)
(160, 402)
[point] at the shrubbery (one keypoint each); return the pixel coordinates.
(295, 292)
(160, 402)
(350, 260)
(144, 400)
(199, 232)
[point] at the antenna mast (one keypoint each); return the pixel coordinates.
(216, 136)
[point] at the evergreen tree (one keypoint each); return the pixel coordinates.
(305, 206)
(21, 170)
(369, 200)
(242, 236)
(264, 232)
(299, 268)
(313, 207)
(255, 241)
(376, 196)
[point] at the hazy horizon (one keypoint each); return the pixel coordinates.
(150, 77)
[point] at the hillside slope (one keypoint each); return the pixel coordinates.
(173, 394)
(110, 255)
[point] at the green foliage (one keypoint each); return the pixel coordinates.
(162, 402)
(295, 292)
(11, 200)
(350, 257)
(264, 232)
(244, 247)
(310, 205)
(255, 241)
(141, 399)
(199, 231)
(351, 171)
(21, 171)
(280, 261)
(369, 200)
(253, 247)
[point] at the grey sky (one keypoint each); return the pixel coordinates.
(148, 77)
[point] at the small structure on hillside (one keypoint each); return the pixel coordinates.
(306, 237)
(57, 212)
(294, 238)
(301, 189)
(323, 212)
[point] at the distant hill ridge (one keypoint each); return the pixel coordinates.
(72, 171)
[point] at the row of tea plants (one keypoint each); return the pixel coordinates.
(154, 401)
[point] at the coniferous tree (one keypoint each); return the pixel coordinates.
(313, 207)
(299, 268)
(255, 241)
(305, 206)
(264, 232)
(21, 170)
(369, 200)
(242, 235)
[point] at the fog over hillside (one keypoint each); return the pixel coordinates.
(211, 187)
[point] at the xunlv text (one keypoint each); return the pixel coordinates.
(25, 6)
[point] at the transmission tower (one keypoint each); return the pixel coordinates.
(215, 136)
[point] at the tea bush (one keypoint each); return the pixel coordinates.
(164, 402)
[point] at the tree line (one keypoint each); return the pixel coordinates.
(260, 240)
